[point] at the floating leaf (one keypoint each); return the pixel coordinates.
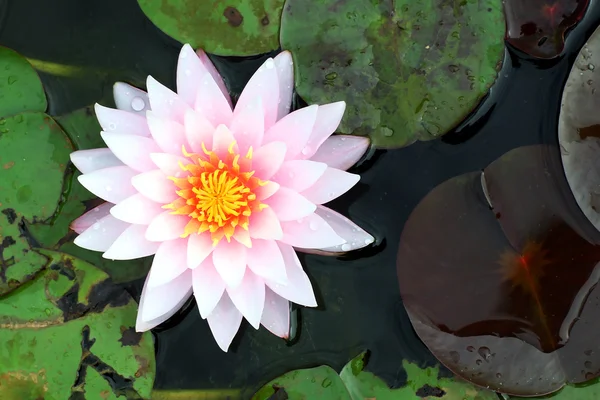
(72, 331)
(537, 27)
(237, 28)
(83, 128)
(20, 86)
(579, 129)
(353, 383)
(506, 298)
(407, 70)
(34, 153)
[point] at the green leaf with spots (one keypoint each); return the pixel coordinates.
(71, 330)
(306, 384)
(34, 153)
(84, 130)
(408, 70)
(234, 28)
(421, 384)
(20, 86)
(354, 383)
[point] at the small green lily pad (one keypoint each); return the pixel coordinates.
(69, 331)
(34, 153)
(354, 383)
(234, 28)
(408, 70)
(20, 86)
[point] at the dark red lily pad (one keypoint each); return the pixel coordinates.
(506, 296)
(538, 27)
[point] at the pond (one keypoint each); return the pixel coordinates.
(468, 261)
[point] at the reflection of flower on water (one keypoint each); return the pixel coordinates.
(220, 196)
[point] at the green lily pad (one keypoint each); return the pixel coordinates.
(84, 130)
(354, 383)
(70, 331)
(20, 86)
(408, 70)
(234, 28)
(34, 153)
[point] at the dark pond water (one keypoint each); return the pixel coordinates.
(360, 306)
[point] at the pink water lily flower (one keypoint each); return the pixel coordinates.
(221, 196)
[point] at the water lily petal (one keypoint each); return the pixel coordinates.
(267, 159)
(311, 232)
(242, 236)
(114, 120)
(294, 130)
(276, 315)
(133, 150)
(265, 225)
(168, 134)
(102, 234)
(230, 261)
(208, 287)
(341, 151)
(264, 259)
(131, 99)
(285, 73)
(166, 226)
(111, 184)
(266, 191)
(354, 235)
(165, 103)
(91, 217)
(222, 139)
(264, 84)
(169, 164)
(299, 175)
(249, 297)
(131, 244)
(92, 160)
(169, 262)
(157, 304)
(200, 246)
(298, 289)
(328, 119)
(211, 102)
(224, 322)
(212, 70)
(189, 72)
(248, 125)
(198, 130)
(289, 205)
(156, 186)
(137, 209)
(332, 184)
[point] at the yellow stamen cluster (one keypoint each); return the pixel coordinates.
(218, 194)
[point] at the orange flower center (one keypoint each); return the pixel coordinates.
(218, 194)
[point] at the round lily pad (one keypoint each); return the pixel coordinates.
(20, 86)
(71, 332)
(34, 153)
(408, 70)
(354, 383)
(235, 28)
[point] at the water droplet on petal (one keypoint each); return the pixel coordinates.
(269, 64)
(346, 247)
(187, 72)
(112, 126)
(138, 104)
(314, 226)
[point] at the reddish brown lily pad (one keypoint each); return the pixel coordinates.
(505, 297)
(538, 27)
